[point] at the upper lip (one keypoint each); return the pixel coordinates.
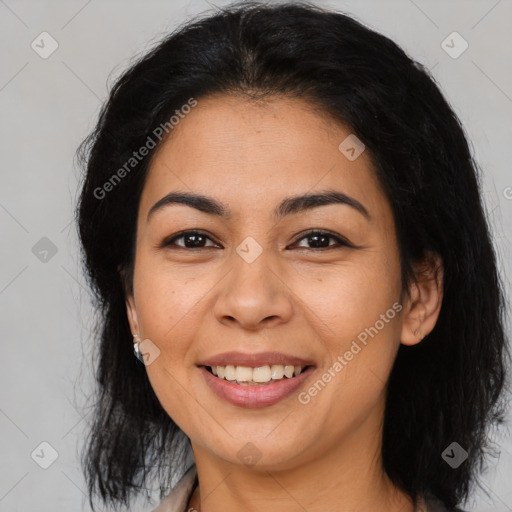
(254, 360)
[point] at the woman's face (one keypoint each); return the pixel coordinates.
(254, 282)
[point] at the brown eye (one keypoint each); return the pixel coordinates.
(320, 240)
(192, 239)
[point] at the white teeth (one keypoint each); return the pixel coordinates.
(243, 373)
(289, 370)
(277, 371)
(260, 374)
(230, 373)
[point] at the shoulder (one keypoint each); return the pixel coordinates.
(178, 498)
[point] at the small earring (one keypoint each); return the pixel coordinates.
(136, 349)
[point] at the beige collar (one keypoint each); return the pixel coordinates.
(177, 500)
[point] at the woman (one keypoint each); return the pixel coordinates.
(281, 209)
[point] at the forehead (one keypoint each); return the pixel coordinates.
(254, 152)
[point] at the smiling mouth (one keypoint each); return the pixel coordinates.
(258, 376)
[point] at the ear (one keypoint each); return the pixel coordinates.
(426, 295)
(131, 310)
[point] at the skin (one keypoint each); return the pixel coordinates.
(294, 298)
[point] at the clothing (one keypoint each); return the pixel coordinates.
(177, 500)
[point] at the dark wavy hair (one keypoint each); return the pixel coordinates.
(447, 388)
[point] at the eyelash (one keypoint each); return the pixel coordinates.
(341, 242)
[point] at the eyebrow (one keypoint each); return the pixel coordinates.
(288, 206)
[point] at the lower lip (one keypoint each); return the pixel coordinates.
(254, 396)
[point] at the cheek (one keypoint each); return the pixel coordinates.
(167, 305)
(356, 310)
(167, 298)
(347, 298)
(361, 340)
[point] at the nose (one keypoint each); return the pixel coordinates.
(253, 295)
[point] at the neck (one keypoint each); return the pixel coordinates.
(350, 474)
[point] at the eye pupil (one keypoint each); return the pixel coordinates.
(197, 239)
(322, 238)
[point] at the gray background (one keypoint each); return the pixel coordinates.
(48, 105)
